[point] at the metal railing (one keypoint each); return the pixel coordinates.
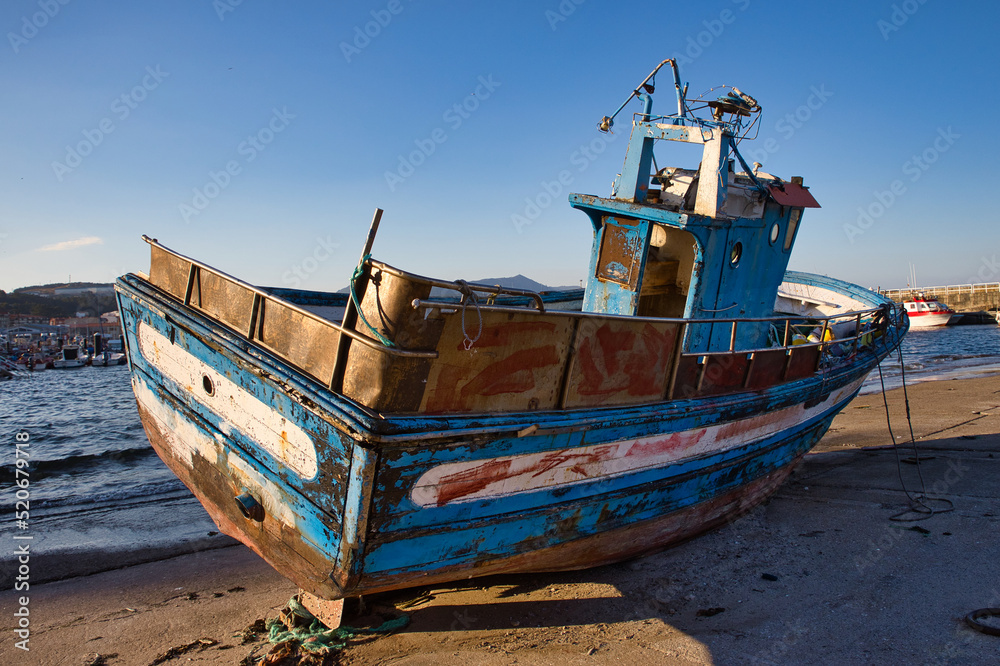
(977, 288)
(494, 290)
(862, 334)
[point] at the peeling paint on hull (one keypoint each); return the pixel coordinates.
(466, 481)
(613, 545)
(357, 499)
(280, 546)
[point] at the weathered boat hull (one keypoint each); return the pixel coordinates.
(400, 437)
(355, 504)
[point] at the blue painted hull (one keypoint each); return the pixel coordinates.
(395, 501)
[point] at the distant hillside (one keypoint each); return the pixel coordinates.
(41, 301)
(51, 288)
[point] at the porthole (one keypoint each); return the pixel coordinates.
(775, 231)
(206, 383)
(736, 254)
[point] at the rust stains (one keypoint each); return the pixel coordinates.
(600, 363)
(471, 481)
(282, 548)
(767, 421)
(676, 443)
(512, 374)
(516, 364)
(605, 547)
(545, 471)
(509, 333)
(622, 362)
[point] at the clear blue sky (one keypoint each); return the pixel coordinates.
(117, 114)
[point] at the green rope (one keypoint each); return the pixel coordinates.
(316, 637)
(358, 272)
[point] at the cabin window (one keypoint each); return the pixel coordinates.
(666, 279)
(775, 231)
(793, 223)
(620, 243)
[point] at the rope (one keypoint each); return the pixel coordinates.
(917, 504)
(469, 296)
(358, 273)
(316, 637)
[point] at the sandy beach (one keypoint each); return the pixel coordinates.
(819, 574)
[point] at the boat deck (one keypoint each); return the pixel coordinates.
(414, 354)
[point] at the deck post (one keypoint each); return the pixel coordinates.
(675, 361)
(351, 312)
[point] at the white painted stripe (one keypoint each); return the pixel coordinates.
(509, 475)
(187, 440)
(235, 407)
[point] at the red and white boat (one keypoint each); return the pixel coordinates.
(927, 312)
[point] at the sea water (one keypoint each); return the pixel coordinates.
(86, 443)
(948, 352)
(90, 461)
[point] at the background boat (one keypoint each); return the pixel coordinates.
(928, 312)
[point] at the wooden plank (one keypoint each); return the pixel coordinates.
(620, 362)
(225, 300)
(308, 344)
(516, 363)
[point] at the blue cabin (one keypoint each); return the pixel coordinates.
(702, 243)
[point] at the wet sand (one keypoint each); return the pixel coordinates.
(819, 574)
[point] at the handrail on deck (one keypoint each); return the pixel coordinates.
(455, 286)
(894, 310)
(434, 304)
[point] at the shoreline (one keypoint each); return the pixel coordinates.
(102, 538)
(850, 586)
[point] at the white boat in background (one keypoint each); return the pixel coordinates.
(108, 358)
(32, 362)
(70, 357)
(927, 312)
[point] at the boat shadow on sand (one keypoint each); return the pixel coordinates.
(818, 571)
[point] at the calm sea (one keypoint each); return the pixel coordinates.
(89, 453)
(941, 353)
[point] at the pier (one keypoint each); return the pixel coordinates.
(960, 297)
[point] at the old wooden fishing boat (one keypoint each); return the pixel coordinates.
(418, 439)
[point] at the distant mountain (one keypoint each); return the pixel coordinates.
(521, 282)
